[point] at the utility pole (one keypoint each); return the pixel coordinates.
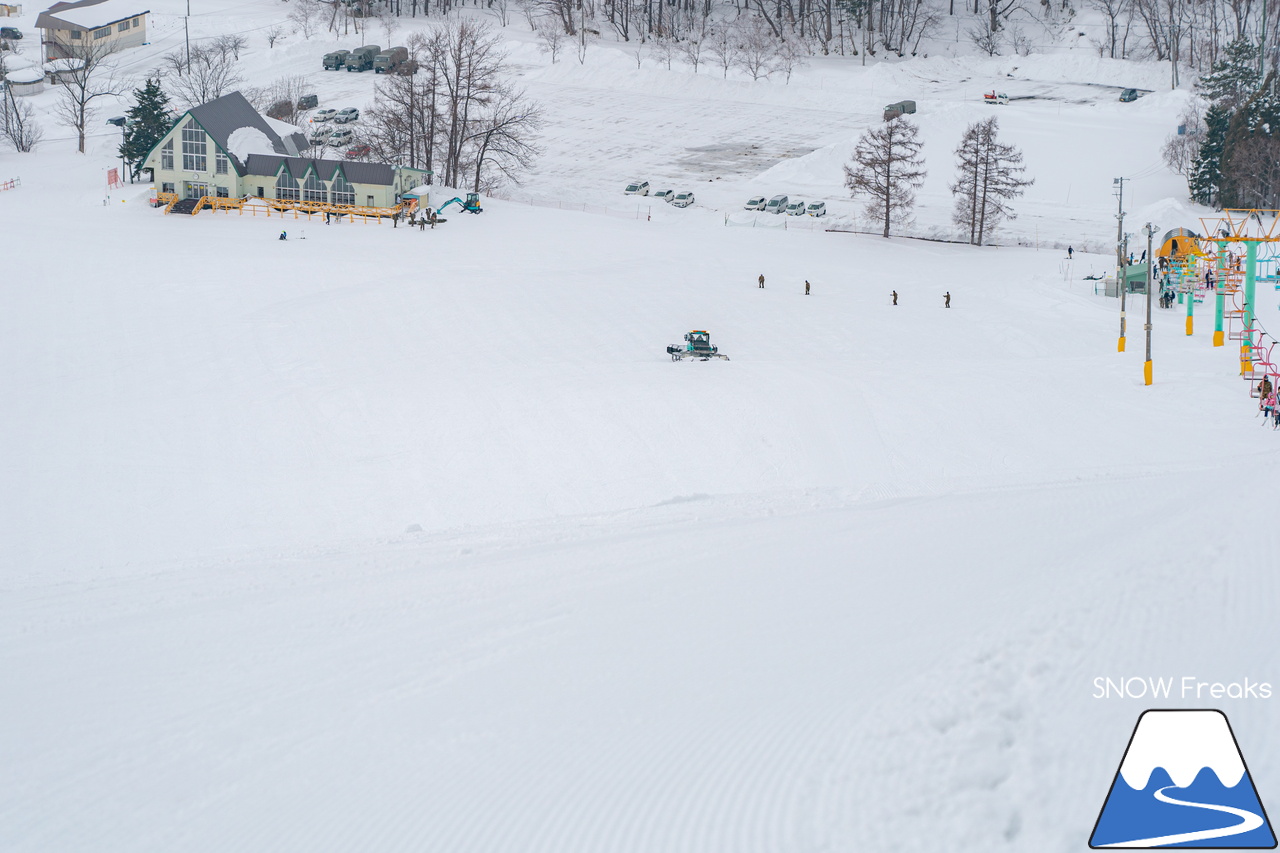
(1120, 264)
(186, 35)
(1146, 365)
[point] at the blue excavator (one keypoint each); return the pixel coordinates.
(471, 205)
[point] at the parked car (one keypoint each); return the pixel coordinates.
(341, 136)
(346, 115)
(10, 33)
(777, 204)
(308, 102)
(637, 188)
(320, 116)
(683, 199)
(796, 208)
(665, 195)
(817, 208)
(358, 152)
(756, 202)
(335, 60)
(1129, 95)
(319, 135)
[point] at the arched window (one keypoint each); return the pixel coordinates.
(194, 148)
(314, 188)
(343, 192)
(286, 185)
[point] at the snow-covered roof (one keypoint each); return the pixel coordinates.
(281, 127)
(25, 75)
(244, 141)
(69, 63)
(420, 191)
(89, 14)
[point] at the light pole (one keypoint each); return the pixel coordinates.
(1146, 365)
(1120, 265)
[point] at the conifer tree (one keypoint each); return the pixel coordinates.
(988, 177)
(148, 122)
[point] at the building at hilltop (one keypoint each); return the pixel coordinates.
(226, 149)
(99, 25)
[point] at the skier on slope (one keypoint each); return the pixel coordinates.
(761, 280)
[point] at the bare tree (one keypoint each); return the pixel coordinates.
(86, 78)
(663, 50)
(229, 45)
(504, 143)
(273, 35)
(305, 16)
(722, 42)
(1112, 11)
(694, 43)
(988, 177)
(791, 55)
(551, 39)
(389, 22)
(887, 169)
(1181, 149)
(985, 37)
(18, 121)
(209, 75)
(501, 9)
(757, 48)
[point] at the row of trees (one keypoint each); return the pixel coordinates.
(887, 169)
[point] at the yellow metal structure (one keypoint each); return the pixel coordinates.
(266, 206)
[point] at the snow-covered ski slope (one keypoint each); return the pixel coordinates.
(390, 540)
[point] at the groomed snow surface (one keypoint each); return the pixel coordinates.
(382, 539)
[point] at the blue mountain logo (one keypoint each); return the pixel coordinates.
(1183, 783)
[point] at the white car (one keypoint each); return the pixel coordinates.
(319, 135)
(755, 203)
(665, 195)
(683, 199)
(347, 115)
(341, 136)
(320, 116)
(777, 204)
(638, 188)
(817, 208)
(795, 208)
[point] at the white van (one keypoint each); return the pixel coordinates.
(756, 202)
(683, 199)
(817, 208)
(795, 208)
(638, 188)
(777, 204)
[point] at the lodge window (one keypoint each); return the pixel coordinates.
(314, 189)
(166, 155)
(222, 192)
(220, 163)
(75, 34)
(122, 26)
(102, 33)
(343, 192)
(194, 151)
(166, 187)
(286, 186)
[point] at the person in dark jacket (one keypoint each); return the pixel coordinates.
(284, 235)
(947, 300)
(761, 279)
(895, 297)
(806, 287)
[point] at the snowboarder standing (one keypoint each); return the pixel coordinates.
(806, 287)
(1070, 252)
(761, 280)
(895, 297)
(946, 300)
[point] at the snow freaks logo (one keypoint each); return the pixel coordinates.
(1183, 783)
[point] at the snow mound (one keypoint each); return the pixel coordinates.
(244, 141)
